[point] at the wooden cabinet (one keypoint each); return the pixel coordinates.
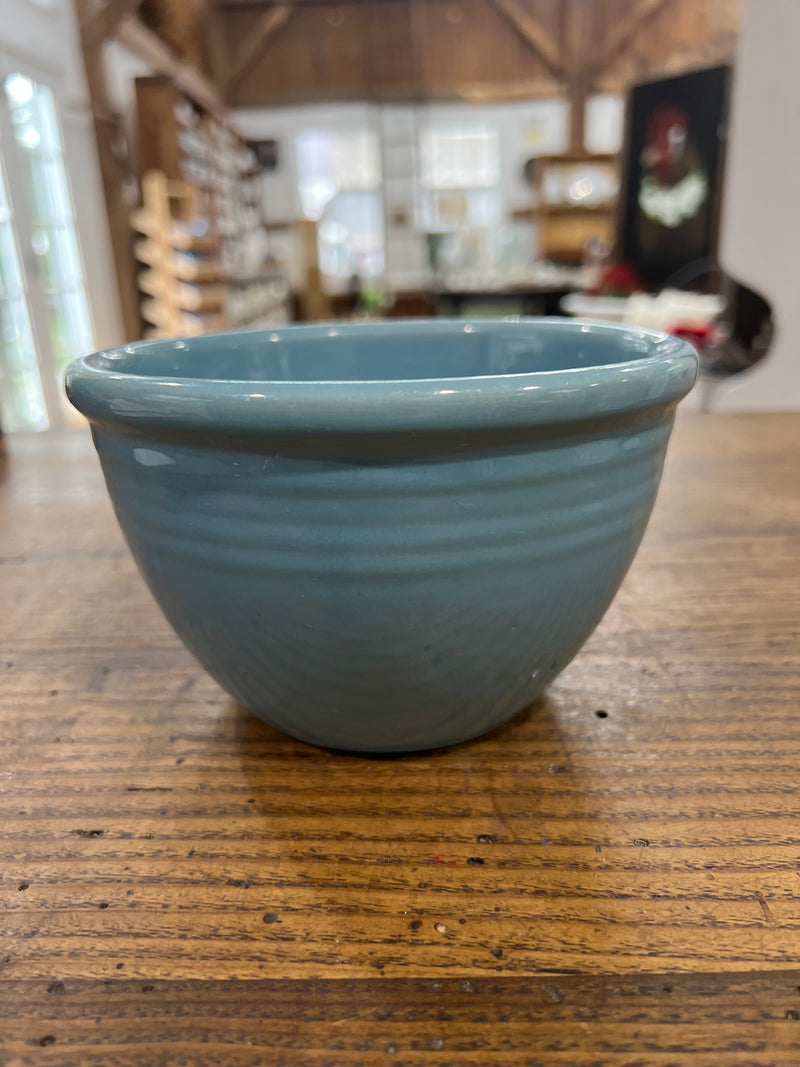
(576, 202)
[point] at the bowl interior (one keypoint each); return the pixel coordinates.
(393, 351)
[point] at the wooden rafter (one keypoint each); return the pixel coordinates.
(718, 51)
(114, 169)
(532, 33)
(577, 75)
(149, 47)
(104, 24)
(418, 16)
(253, 48)
(624, 31)
(215, 41)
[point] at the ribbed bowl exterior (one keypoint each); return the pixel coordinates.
(388, 598)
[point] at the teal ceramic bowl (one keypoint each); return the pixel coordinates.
(388, 537)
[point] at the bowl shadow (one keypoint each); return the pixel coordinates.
(255, 734)
(425, 860)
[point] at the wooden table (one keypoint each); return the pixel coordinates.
(613, 878)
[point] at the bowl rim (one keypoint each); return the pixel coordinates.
(116, 399)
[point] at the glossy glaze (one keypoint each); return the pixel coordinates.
(366, 547)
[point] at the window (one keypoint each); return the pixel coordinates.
(459, 156)
(339, 179)
(459, 177)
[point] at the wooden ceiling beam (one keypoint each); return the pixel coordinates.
(532, 33)
(215, 41)
(144, 43)
(114, 166)
(624, 32)
(414, 92)
(104, 24)
(576, 44)
(254, 47)
(497, 92)
(241, 5)
(718, 51)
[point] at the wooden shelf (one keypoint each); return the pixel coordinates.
(140, 40)
(578, 209)
(181, 267)
(581, 157)
(189, 273)
(181, 239)
(268, 274)
(189, 269)
(565, 227)
(191, 324)
(201, 297)
(189, 242)
(186, 296)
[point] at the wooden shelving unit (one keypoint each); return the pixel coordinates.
(203, 246)
(181, 281)
(565, 223)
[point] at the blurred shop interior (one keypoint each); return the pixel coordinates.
(176, 167)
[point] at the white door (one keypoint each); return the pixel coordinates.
(45, 320)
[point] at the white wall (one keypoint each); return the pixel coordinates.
(282, 203)
(281, 197)
(42, 36)
(525, 129)
(760, 239)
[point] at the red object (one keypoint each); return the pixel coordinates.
(665, 139)
(699, 336)
(620, 279)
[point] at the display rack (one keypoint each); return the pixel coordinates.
(204, 247)
(181, 281)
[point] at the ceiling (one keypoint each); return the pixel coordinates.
(261, 53)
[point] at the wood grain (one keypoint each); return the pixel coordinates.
(694, 1019)
(641, 819)
(430, 50)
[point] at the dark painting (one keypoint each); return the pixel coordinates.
(673, 175)
(266, 153)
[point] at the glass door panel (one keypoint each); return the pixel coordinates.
(55, 281)
(22, 404)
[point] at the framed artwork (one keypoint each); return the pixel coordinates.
(672, 174)
(266, 153)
